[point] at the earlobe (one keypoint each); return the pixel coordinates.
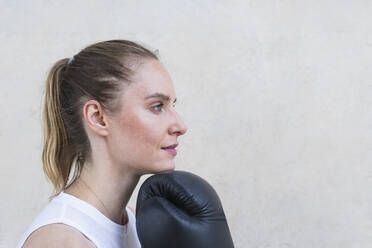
(95, 118)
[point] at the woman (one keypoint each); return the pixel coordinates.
(109, 112)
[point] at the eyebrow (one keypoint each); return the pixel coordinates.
(160, 95)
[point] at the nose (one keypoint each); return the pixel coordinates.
(178, 126)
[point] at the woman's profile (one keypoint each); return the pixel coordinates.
(108, 119)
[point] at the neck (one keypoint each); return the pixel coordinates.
(108, 192)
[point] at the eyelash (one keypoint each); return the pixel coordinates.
(160, 105)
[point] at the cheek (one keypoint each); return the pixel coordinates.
(143, 134)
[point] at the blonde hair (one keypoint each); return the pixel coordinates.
(97, 72)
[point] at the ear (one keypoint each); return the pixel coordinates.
(95, 117)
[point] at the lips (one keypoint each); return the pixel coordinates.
(170, 147)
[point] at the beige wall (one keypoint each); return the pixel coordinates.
(277, 96)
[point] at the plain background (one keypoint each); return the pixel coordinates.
(277, 96)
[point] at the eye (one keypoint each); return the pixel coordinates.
(158, 106)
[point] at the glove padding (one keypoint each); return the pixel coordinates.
(178, 209)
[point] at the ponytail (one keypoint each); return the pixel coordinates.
(56, 164)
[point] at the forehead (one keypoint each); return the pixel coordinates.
(151, 77)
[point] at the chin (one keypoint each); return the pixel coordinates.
(170, 167)
(155, 170)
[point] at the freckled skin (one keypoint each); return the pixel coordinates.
(139, 131)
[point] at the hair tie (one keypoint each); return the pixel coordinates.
(70, 59)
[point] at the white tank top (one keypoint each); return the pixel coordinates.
(103, 232)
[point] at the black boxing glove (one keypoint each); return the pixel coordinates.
(178, 209)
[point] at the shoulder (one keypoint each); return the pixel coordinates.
(57, 235)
